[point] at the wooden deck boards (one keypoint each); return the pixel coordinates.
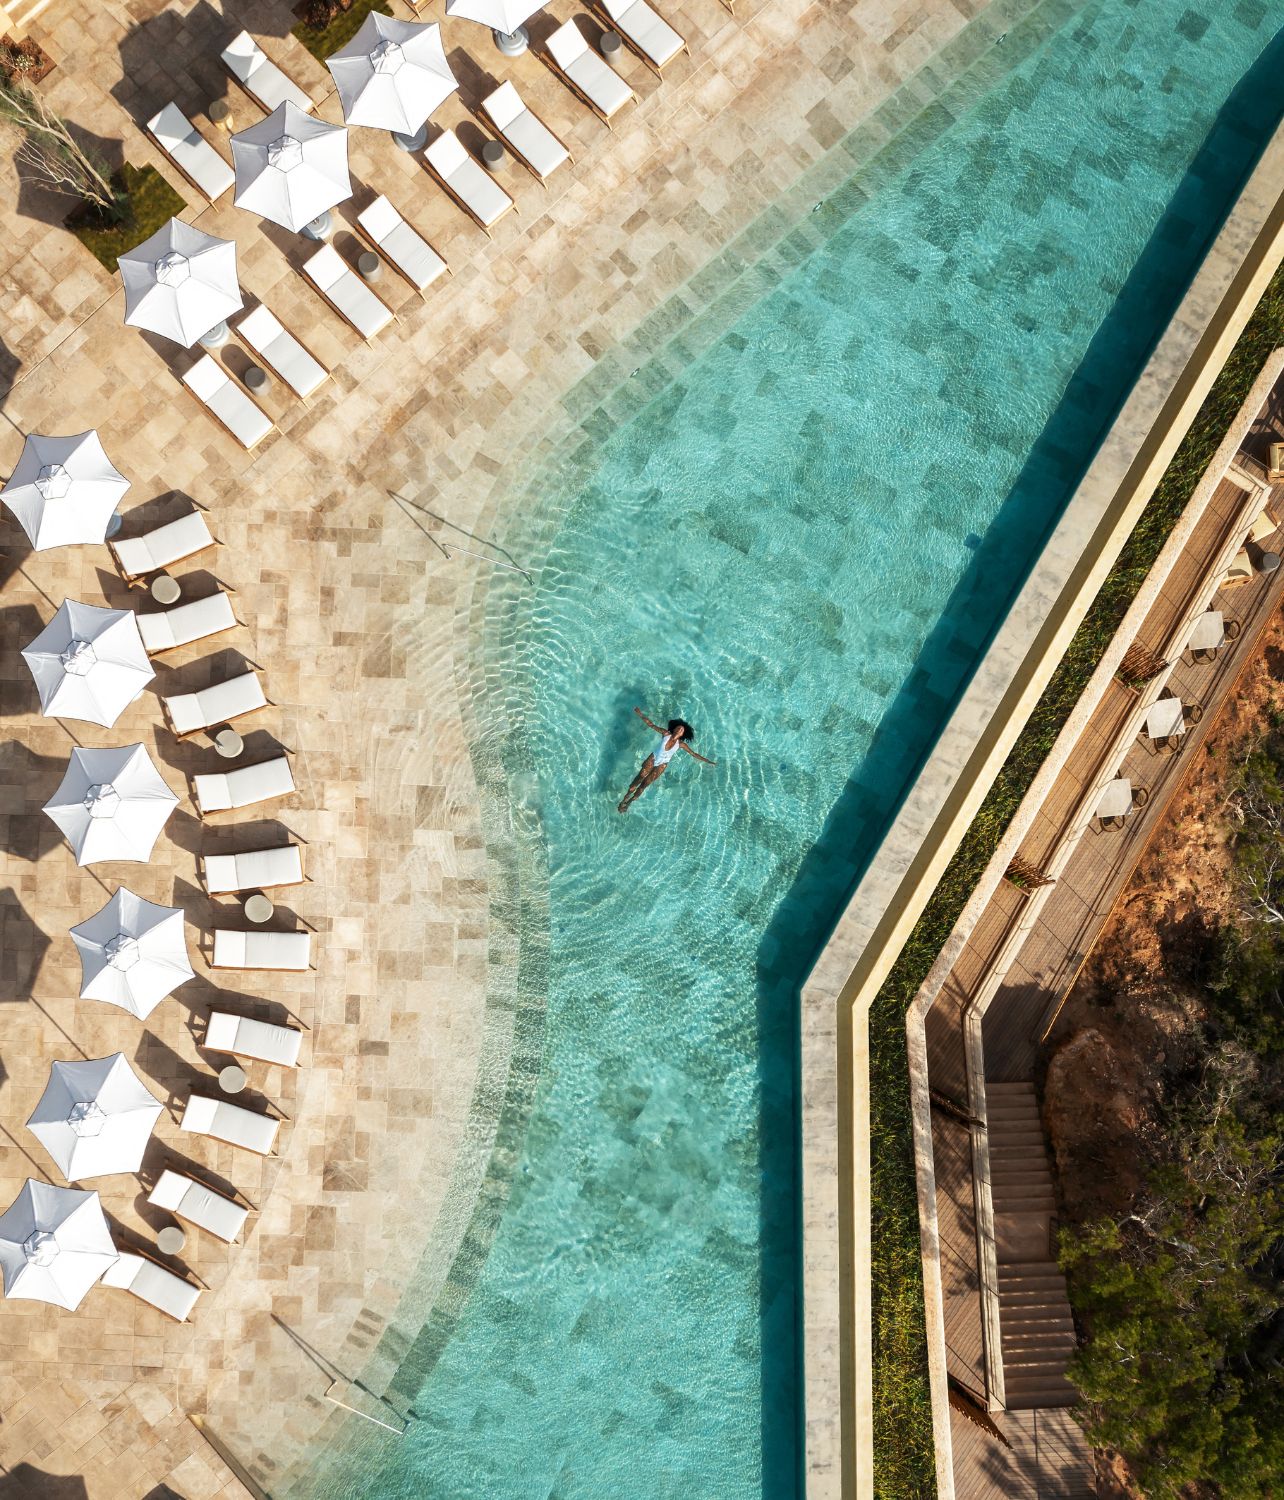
(1049, 1456)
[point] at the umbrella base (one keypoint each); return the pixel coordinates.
(320, 227)
(415, 142)
(216, 337)
(512, 44)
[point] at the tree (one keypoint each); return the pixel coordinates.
(48, 153)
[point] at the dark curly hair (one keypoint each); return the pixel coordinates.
(688, 733)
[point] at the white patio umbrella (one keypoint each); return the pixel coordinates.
(54, 1244)
(111, 804)
(132, 953)
(392, 75)
(88, 663)
(291, 168)
(182, 284)
(64, 490)
(95, 1118)
(505, 18)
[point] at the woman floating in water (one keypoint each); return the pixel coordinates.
(677, 736)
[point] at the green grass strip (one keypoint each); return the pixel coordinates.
(152, 203)
(903, 1448)
(343, 26)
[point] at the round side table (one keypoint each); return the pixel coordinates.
(370, 266)
(493, 154)
(228, 744)
(171, 1239)
(258, 908)
(232, 1079)
(612, 45)
(165, 590)
(220, 113)
(256, 379)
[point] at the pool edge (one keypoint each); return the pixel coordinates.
(837, 1302)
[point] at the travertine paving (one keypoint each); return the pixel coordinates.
(354, 616)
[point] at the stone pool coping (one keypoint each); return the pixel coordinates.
(837, 1290)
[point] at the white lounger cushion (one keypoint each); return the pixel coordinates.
(217, 791)
(467, 179)
(230, 1122)
(153, 1284)
(186, 623)
(586, 70)
(529, 135)
(191, 152)
(405, 247)
(219, 704)
(246, 61)
(262, 950)
(165, 545)
(646, 27)
(282, 352)
(347, 292)
(245, 1038)
(210, 384)
(259, 870)
(188, 1199)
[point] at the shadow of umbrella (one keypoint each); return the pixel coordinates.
(26, 1482)
(23, 946)
(27, 832)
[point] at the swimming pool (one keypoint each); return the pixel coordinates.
(801, 544)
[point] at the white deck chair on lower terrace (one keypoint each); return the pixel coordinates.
(405, 249)
(584, 73)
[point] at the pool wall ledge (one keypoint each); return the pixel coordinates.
(837, 1309)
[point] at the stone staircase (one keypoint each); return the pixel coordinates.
(1035, 1326)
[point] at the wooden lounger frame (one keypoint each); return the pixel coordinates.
(200, 639)
(383, 255)
(250, 349)
(487, 124)
(341, 315)
(214, 416)
(283, 886)
(186, 734)
(140, 580)
(551, 64)
(604, 19)
(181, 170)
(218, 1193)
(133, 1249)
(249, 92)
(459, 202)
(249, 969)
(206, 1135)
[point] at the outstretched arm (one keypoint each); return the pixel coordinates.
(648, 722)
(694, 756)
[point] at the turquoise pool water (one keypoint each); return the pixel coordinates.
(801, 545)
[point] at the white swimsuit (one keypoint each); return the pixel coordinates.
(666, 752)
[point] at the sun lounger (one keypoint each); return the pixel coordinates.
(226, 402)
(232, 1123)
(345, 291)
(645, 31)
(167, 629)
(524, 133)
(219, 791)
(139, 555)
(257, 1039)
(197, 1204)
(584, 73)
(258, 870)
(154, 1284)
(190, 152)
(466, 181)
(407, 251)
(260, 77)
(263, 334)
(285, 951)
(188, 713)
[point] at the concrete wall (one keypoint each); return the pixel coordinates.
(973, 746)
